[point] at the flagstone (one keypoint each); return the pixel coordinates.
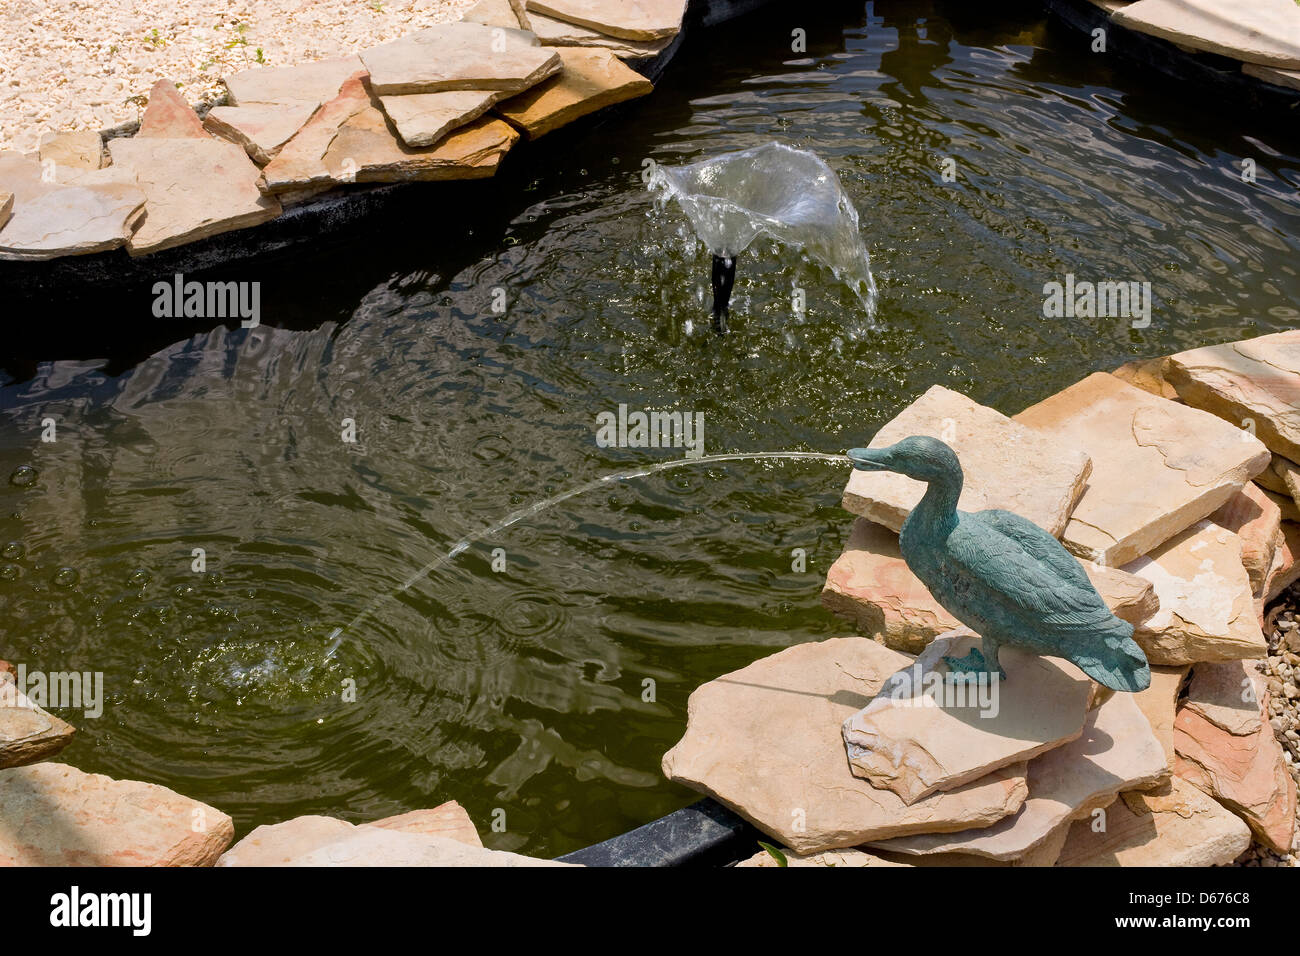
(495, 13)
(762, 741)
(1006, 465)
(589, 81)
(193, 189)
(1116, 751)
(923, 733)
(557, 33)
(1157, 466)
(6, 207)
(169, 115)
(28, 733)
(1159, 704)
(423, 119)
(1286, 561)
(459, 56)
(1270, 479)
(366, 149)
(1272, 74)
(1255, 31)
(1228, 695)
(847, 859)
(79, 149)
(261, 129)
(309, 84)
(630, 19)
(1256, 520)
(1148, 375)
(300, 163)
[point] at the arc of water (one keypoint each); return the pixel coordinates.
(336, 636)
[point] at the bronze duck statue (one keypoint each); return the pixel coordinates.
(1003, 576)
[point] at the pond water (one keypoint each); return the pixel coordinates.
(546, 690)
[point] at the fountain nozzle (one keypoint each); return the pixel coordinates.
(724, 277)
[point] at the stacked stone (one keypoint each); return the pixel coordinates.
(1153, 476)
(446, 102)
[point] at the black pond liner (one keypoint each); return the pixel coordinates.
(703, 834)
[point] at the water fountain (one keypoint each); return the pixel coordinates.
(775, 190)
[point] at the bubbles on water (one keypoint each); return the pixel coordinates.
(139, 578)
(23, 476)
(10, 572)
(67, 577)
(13, 551)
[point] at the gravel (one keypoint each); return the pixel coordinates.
(88, 64)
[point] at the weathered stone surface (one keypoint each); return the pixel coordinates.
(557, 33)
(423, 119)
(1228, 694)
(1148, 375)
(1117, 751)
(1288, 473)
(631, 19)
(1270, 479)
(1006, 465)
(56, 815)
(1253, 517)
(1271, 74)
(366, 148)
(1254, 383)
(589, 80)
(1157, 466)
(169, 116)
(193, 189)
(915, 738)
(57, 219)
(260, 129)
(307, 83)
(871, 586)
(27, 732)
(494, 13)
(1207, 609)
(1286, 561)
(1183, 827)
(6, 207)
(447, 820)
(300, 163)
(1255, 31)
(840, 858)
(1246, 773)
(81, 149)
(1290, 511)
(763, 740)
(374, 846)
(459, 56)
(1159, 704)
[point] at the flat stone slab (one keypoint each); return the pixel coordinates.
(1157, 466)
(1229, 694)
(764, 741)
(1006, 465)
(556, 33)
(80, 149)
(1183, 827)
(169, 115)
(1207, 608)
(423, 119)
(846, 859)
(27, 733)
(300, 163)
(925, 731)
(366, 150)
(1270, 479)
(55, 815)
(194, 188)
(459, 56)
(589, 81)
(1244, 772)
(630, 19)
(1148, 375)
(1271, 74)
(448, 820)
(6, 207)
(1256, 31)
(1159, 704)
(260, 129)
(52, 219)
(870, 585)
(1116, 751)
(373, 846)
(1257, 522)
(1286, 565)
(1253, 384)
(306, 83)
(495, 13)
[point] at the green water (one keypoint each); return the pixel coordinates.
(550, 689)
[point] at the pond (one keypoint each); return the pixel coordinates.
(474, 341)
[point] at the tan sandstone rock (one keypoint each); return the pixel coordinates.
(309, 84)
(447, 820)
(847, 859)
(55, 815)
(261, 129)
(27, 733)
(1116, 751)
(1270, 479)
(1271, 74)
(300, 163)
(1006, 465)
(555, 33)
(194, 188)
(1286, 564)
(1182, 827)
(631, 19)
(927, 730)
(495, 13)
(1159, 704)
(6, 207)
(764, 741)
(169, 116)
(459, 56)
(1229, 695)
(1256, 31)
(1207, 608)
(374, 846)
(1148, 375)
(366, 150)
(1254, 383)
(76, 149)
(423, 119)
(589, 81)
(1157, 466)
(1256, 520)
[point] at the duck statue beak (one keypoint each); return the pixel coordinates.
(870, 459)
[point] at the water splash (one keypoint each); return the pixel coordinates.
(776, 190)
(336, 636)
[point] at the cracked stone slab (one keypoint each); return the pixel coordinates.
(459, 56)
(1228, 695)
(557, 33)
(1207, 607)
(765, 741)
(300, 163)
(27, 733)
(261, 129)
(306, 84)
(1257, 522)
(1254, 384)
(1157, 466)
(169, 115)
(629, 19)
(52, 219)
(423, 119)
(1006, 465)
(589, 81)
(366, 150)
(918, 736)
(1116, 751)
(193, 189)
(1253, 31)
(80, 149)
